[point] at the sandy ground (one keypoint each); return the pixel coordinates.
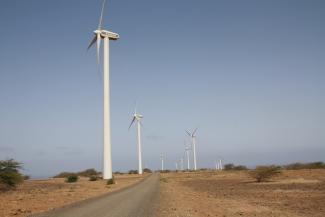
(299, 193)
(39, 196)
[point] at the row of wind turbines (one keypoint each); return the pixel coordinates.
(107, 36)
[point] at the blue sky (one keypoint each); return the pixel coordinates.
(249, 74)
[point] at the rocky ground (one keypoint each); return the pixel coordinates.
(38, 196)
(299, 193)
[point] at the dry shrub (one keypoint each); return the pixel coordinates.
(264, 173)
(10, 176)
(110, 181)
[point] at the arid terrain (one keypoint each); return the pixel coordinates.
(36, 196)
(295, 193)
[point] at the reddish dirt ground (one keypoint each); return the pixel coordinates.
(299, 193)
(36, 196)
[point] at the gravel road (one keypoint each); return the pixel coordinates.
(139, 200)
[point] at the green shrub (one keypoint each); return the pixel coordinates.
(93, 178)
(10, 176)
(72, 178)
(26, 177)
(264, 173)
(110, 181)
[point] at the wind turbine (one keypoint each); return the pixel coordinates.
(182, 163)
(192, 135)
(220, 164)
(106, 36)
(187, 150)
(162, 162)
(217, 165)
(137, 117)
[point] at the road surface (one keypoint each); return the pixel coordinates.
(138, 200)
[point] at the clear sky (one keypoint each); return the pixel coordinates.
(249, 74)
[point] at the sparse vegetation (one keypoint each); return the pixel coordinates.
(64, 175)
(118, 173)
(72, 178)
(110, 181)
(165, 171)
(93, 178)
(88, 173)
(10, 176)
(229, 166)
(264, 173)
(299, 166)
(85, 173)
(133, 172)
(147, 170)
(234, 167)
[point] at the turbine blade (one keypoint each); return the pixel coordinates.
(188, 133)
(101, 15)
(194, 132)
(135, 107)
(92, 42)
(132, 122)
(98, 39)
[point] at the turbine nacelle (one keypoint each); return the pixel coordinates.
(138, 116)
(108, 34)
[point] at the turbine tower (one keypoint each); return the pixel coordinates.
(217, 165)
(137, 117)
(187, 151)
(162, 162)
(192, 135)
(182, 164)
(106, 36)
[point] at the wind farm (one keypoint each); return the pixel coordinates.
(228, 119)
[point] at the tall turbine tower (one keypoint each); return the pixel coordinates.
(220, 164)
(187, 151)
(137, 117)
(192, 135)
(106, 36)
(162, 162)
(182, 164)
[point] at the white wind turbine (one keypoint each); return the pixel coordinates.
(187, 151)
(182, 163)
(137, 117)
(162, 162)
(192, 135)
(217, 165)
(220, 164)
(106, 36)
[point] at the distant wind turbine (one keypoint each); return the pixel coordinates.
(187, 151)
(137, 117)
(192, 135)
(106, 36)
(220, 164)
(182, 163)
(162, 162)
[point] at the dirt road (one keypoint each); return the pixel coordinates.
(136, 201)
